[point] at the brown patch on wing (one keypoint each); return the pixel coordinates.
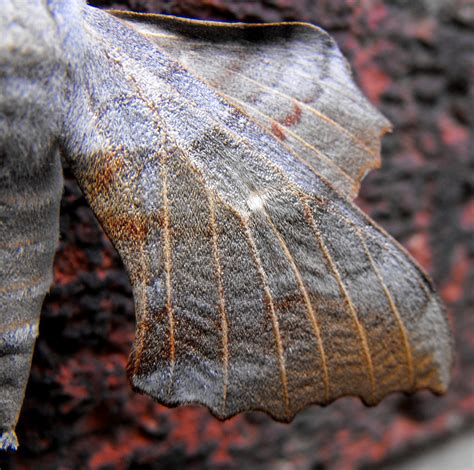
(294, 118)
(127, 227)
(104, 174)
(110, 167)
(278, 131)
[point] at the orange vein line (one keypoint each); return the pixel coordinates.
(309, 307)
(168, 264)
(220, 289)
(395, 311)
(300, 139)
(317, 113)
(275, 324)
(399, 249)
(412, 262)
(342, 287)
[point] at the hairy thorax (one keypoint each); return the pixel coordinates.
(33, 83)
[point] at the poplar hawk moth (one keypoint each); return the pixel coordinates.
(222, 161)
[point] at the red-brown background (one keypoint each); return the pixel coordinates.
(414, 59)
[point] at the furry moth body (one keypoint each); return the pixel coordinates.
(221, 160)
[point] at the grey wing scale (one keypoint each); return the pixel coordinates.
(257, 285)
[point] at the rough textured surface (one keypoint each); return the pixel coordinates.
(412, 59)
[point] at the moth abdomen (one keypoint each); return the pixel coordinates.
(29, 216)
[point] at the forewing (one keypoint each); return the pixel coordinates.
(257, 286)
(289, 78)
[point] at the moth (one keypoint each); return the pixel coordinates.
(222, 161)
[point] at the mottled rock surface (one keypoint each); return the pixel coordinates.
(415, 61)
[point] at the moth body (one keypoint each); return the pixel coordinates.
(226, 183)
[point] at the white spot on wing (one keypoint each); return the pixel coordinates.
(255, 202)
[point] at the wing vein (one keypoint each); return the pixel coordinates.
(221, 293)
(395, 312)
(270, 304)
(312, 110)
(360, 329)
(398, 254)
(300, 139)
(309, 307)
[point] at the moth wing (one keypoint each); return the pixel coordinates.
(257, 285)
(290, 78)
